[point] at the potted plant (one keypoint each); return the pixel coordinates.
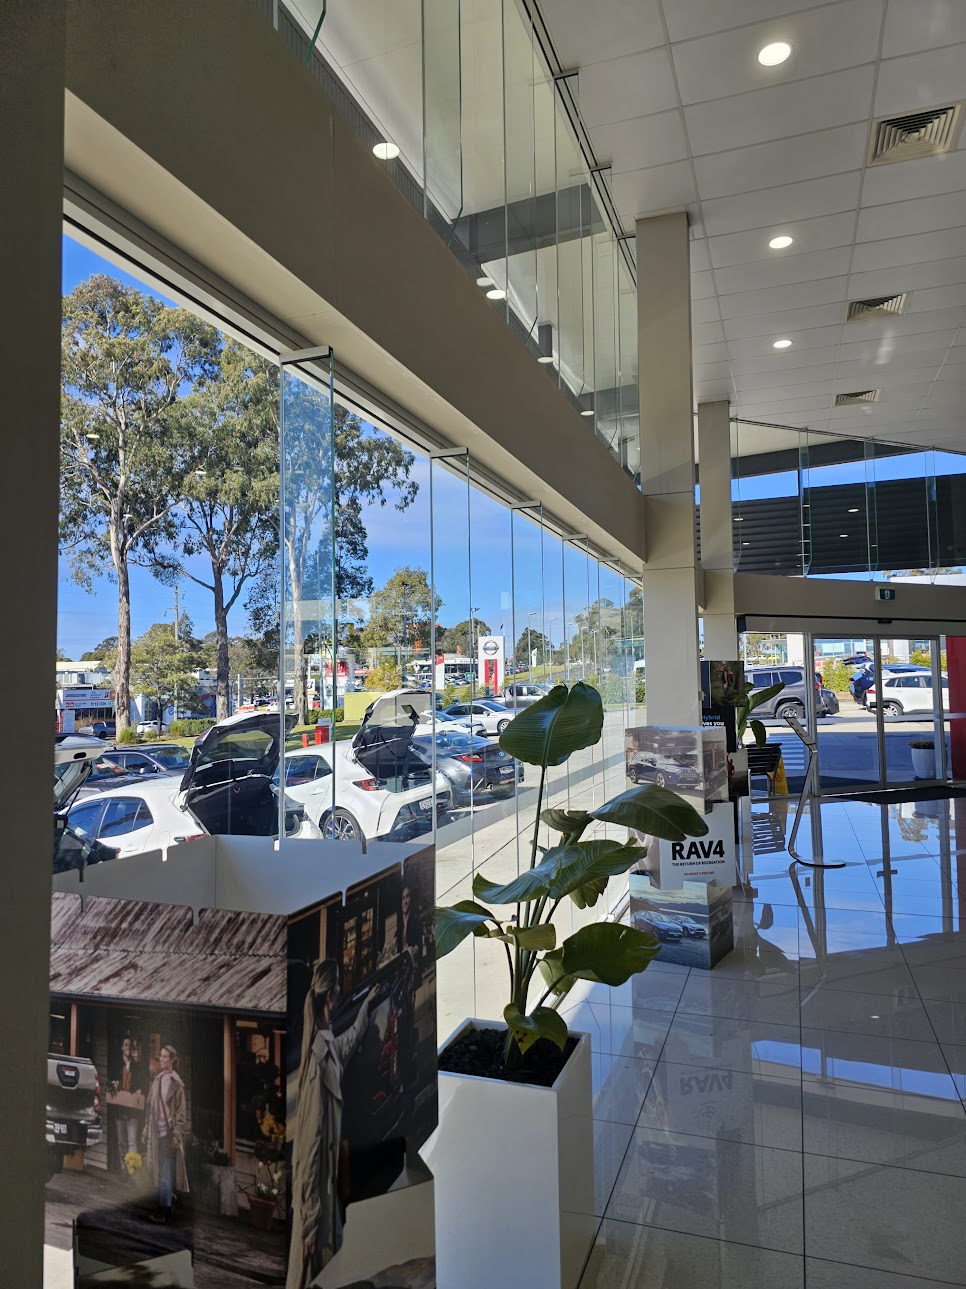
(923, 757)
(519, 1091)
(212, 1177)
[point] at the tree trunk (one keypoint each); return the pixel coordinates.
(122, 664)
(298, 641)
(222, 677)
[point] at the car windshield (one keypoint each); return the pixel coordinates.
(172, 758)
(105, 769)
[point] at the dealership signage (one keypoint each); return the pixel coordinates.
(491, 663)
(85, 698)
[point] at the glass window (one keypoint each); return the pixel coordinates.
(791, 676)
(86, 817)
(123, 815)
(300, 769)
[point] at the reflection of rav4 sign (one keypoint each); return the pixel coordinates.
(490, 648)
(697, 850)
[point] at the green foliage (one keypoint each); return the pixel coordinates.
(748, 700)
(128, 735)
(532, 642)
(387, 676)
(836, 676)
(463, 637)
(163, 667)
(640, 689)
(190, 729)
(401, 612)
(546, 734)
(317, 714)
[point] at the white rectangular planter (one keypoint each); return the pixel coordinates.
(514, 1177)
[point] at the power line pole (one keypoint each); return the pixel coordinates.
(177, 639)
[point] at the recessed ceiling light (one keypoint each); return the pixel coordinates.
(779, 243)
(853, 510)
(746, 543)
(874, 1016)
(484, 281)
(843, 534)
(496, 294)
(739, 519)
(781, 344)
(774, 53)
(588, 411)
(385, 151)
(545, 358)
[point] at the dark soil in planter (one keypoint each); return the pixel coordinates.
(480, 1052)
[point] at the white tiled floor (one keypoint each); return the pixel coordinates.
(795, 1119)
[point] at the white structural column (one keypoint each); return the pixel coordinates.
(672, 578)
(32, 166)
(714, 475)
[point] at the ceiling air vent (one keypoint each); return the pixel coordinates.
(919, 134)
(880, 306)
(859, 396)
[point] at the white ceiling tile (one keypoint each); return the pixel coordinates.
(915, 249)
(895, 328)
(638, 193)
(702, 284)
(705, 310)
(907, 277)
(751, 381)
(867, 366)
(641, 141)
(884, 349)
(794, 108)
(924, 177)
(938, 297)
(689, 18)
(712, 371)
(822, 40)
(796, 295)
(700, 257)
(787, 322)
(872, 376)
(704, 353)
(813, 389)
(903, 218)
(956, 354)
(619, 27)
(621, 88)
(758, 346)
(825, 232)
(921, 80)
(766, 165)
(782, 269)
(756, 411)
(791, 202)
(707, 333)
(712, 391)
(912, 25)
(785, 360)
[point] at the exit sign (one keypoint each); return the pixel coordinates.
(885, 592)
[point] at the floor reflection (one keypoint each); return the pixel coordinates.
(801, 1107)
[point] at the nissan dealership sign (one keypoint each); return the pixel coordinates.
(492, 663)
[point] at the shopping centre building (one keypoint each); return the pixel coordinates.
(600, 342)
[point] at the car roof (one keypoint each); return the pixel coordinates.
(153, 787)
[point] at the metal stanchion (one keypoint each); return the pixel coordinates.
(811, 747)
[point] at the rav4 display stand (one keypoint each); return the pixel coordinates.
(811, 747)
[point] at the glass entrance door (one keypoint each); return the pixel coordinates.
(910, 693)
(847, 732)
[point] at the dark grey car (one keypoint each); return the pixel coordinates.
(792, 699)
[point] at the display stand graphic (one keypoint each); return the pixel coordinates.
(811, 746)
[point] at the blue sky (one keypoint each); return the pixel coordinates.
(395, 539)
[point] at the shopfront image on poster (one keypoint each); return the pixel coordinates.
(164, 1067)
(360, 1067)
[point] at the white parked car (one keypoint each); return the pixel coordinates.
(493, 716)
(365, 808)
(227, 789)
(906, 692)
(415, 707)
(151, 727)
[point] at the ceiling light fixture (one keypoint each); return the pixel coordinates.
(779, 243)
(781, 344)
(497, 293)
(843, 534)
(385, 151)
(853, 510)
(746, 543)
(774, 53)
(545, 358)
(484, 281)
(588, 411)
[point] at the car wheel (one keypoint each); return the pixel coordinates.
(790, 709)
(892, 708)
(660, 779)
(339, 825)
(632, 773)
(501, 726)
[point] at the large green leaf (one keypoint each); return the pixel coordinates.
(543, 1022)
(760, 696)
(588, 861)
(657, 812)
(557, 725)
(551, 968)
(759, 731)
(530, 885)
(607, 952)
(454, 924)
(543, 936)
(568, 822)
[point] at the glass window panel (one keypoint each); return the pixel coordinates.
(572, 277)
(520, 160)
(835, 492)
(442, 114)
(484, 173)
(901, 481)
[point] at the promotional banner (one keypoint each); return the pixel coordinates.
(722, 686)
(492, 663)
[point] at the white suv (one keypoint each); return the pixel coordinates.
(905, 692)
